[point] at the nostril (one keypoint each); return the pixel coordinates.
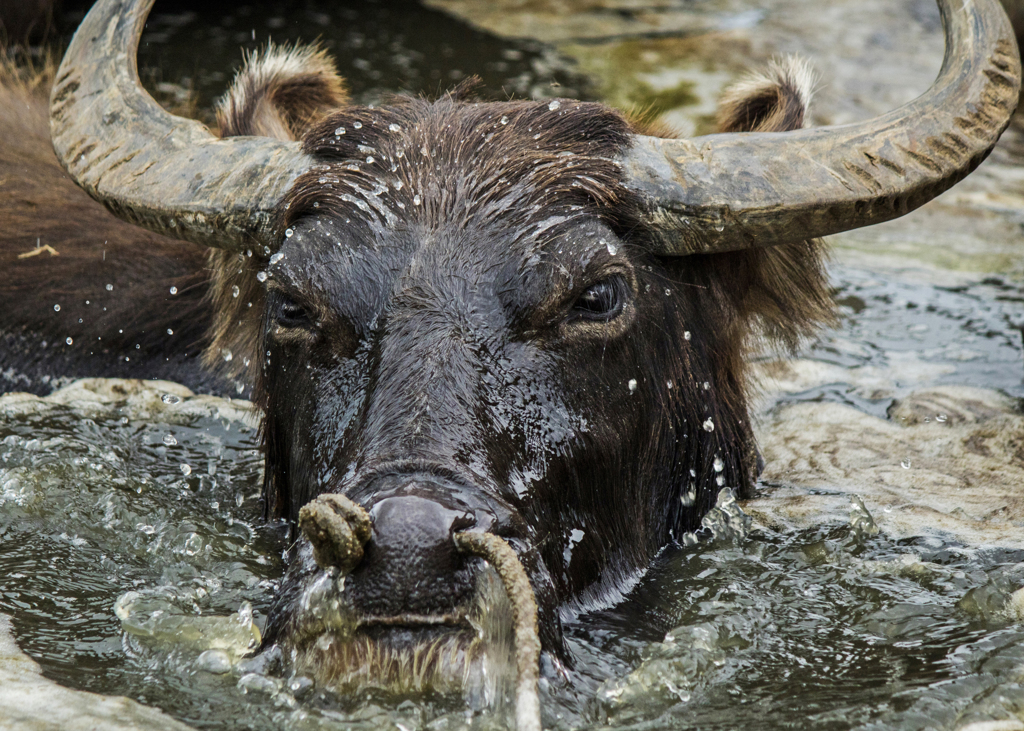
(462, 522)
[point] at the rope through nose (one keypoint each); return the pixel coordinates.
(500, 555)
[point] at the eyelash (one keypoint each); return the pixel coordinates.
(290, 314)
(602, 301)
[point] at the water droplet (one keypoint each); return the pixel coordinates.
(186, 470)
(110, 287)
(860, 519)
(239, 499)
(394, 127)
(170, 398)
(554, 105)
(357, 125)
(718, 464)
(504, 120)
(632, 385)
(216, 662)
(56, 308)
(234, 291)
(69, 341)
(706, 385)
(941, 418)
(193, 544)
(719, 225)
(905, 464)
(169, 440)
(416, 200)
(174, 290)
(227, 355)
(709, 425)
(669, 384)
(424, 150)
(339, 131)
(170, 332)
(276, 258)
(288, 232)
(720, 480)
(369, 160)
(686, 335)
(262, 276)
(668, 292)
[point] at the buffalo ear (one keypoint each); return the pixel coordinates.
(775, 99)
(779, 291)
(280, 92)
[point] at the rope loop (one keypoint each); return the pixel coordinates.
(506, 563)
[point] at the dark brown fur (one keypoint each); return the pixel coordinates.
(40, 206)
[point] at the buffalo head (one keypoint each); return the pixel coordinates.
(523, 319)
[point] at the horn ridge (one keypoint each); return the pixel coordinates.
(733, 191)
(166, 173)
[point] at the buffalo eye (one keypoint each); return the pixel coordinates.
(602, 301)
(291, 314)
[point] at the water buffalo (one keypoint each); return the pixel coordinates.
(523, 320)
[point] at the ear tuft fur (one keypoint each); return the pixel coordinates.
(775, 99)
(279, 92)
(782, 290)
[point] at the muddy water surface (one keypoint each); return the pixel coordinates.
(133, 561)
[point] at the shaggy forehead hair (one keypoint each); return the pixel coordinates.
(450, 163)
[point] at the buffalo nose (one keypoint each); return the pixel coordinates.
(411, 564)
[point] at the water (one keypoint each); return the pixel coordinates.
(821, 629)
(901, 333)
(125, 576)
(133, 559)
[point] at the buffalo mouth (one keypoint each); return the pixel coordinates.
(467, 652)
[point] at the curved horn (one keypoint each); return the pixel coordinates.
(735, 191)
(166, 173)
